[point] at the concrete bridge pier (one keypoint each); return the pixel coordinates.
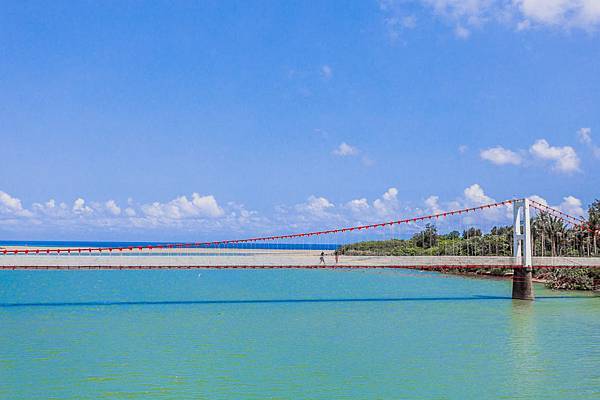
(522, 273)
(522, 284)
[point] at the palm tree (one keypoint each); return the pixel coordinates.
(554, 229)
(594, 223)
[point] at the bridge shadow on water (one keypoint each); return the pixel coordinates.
(282, 301)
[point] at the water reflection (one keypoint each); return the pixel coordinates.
(527, 371)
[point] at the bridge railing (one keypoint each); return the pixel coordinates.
(371, 245)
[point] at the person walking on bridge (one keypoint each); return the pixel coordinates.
(322, 258)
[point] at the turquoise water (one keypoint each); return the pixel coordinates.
(291, 334)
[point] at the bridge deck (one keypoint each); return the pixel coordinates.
(238, 258)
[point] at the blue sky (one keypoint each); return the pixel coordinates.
(164, 121)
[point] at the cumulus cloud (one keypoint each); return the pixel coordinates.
(500, 156)
(12, 206)
(432, 204)
(564, 159)
(358, 205)
(472, 196)
(475, 195)
(345, 150)
(359, 211)
(539, 199)
(195, 211)
(112, 207)
(51, 209)
(568, 14)
(79, 207)
(388, 203)
(203, 215)
(317, 206)
(207, 205)
(182, 207)
(570, 205)
(391, 194)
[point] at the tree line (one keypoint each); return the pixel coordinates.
(551, 237)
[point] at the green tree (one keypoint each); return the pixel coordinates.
(594, 223)
(471, 233)
(452, 235)
(427, 238)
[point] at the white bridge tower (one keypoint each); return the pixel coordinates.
(522, 272)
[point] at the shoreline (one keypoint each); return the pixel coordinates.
(491, 276)
(546, 282)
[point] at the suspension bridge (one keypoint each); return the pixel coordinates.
(333, 249)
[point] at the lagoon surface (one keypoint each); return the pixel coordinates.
(291, 334)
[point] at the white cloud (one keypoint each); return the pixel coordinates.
(463, 148)
(539, 199)
(51, 209)
(545, 11)
(358, 205)
(182, 207)
(200, 212)
(565, 158)
(207, 205)
(12, 206)
(317, 206)
(500, 156)
(572, 206)
(345, 150)
(463, 15)
(387, 205)
(585, 137)
(79, 207)
(475, 195)
(568, 14)
(202, 215)
(391, 194)
(326, 72)
(432, 203)
(112, 207)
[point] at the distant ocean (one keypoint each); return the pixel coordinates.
(75, 244)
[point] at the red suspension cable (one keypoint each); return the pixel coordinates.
(265, 238)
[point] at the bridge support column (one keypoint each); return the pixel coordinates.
(522, 275)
